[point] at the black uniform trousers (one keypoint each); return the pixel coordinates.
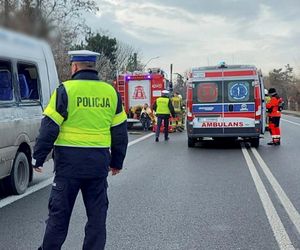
(62, 198)
(160, 120)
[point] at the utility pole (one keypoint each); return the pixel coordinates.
(135, 60)
(171, 81)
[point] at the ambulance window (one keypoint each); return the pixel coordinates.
(6, 81)
(238, 91)
(28, 81)
(208, 92)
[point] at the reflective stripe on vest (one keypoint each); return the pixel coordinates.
(119, 118)
(91, 113)
(51, 112)
(162, 106)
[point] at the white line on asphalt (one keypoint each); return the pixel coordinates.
(11, 199)
(140, 139)
(295, 123)
(279, 231)
(29, 191)
(287, 204)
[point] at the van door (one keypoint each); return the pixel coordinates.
(263, 120)
(239, 107)
(30, 107)
(8, 117)
(208, 107)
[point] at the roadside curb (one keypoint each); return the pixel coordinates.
(289, 112)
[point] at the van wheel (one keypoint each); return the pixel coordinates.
(191, 142)
(18, 180)
(254, 142)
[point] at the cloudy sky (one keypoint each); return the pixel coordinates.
(190, 33)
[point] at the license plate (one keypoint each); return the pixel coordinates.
(207, 119)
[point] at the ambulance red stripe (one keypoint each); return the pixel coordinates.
(231, 73)
(240, 73)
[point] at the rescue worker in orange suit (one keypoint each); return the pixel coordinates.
(85, 125)
(274, 108)
(163, 108)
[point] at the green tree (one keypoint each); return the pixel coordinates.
(104, 45)
(284, 81)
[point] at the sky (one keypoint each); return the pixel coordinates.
(193, 33)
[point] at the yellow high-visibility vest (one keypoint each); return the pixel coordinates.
(162, 106)
(91, 113)
(176, 101)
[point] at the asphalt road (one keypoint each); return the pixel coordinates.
(215, 196)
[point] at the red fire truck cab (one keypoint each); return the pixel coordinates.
(139, 88)
(225, 101)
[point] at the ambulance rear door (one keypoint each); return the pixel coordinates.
(239, 102)
(239, 107)
(208, 108)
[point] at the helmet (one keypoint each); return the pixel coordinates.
(165, 92)
(266, 92)
(272, 91)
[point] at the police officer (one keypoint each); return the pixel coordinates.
(163, 108)
(274, 107)
(86, 123)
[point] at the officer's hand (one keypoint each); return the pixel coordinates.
(114, 171)
(38, 169)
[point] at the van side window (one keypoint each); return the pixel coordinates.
(6, 82)
(28, 81)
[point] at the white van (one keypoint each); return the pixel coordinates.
(27, 78)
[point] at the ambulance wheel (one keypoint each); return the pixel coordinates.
(254, 142)
(191, 142)
(18, 180)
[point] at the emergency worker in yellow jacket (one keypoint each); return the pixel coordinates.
(163, 109)
(86, 126)
(177, 104)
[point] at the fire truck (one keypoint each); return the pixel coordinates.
(225, 101)
(138, 88)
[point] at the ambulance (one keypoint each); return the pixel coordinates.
(225, 101)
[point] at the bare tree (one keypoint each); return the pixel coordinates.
(124, 52)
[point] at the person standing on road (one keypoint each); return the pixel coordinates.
(177, 104)
(146, 114)
(86, 123)
(163, 108)
(274, 108)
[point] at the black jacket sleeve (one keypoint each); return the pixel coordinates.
(154, 107)
(49, 130)
(119, 140)
(171, 108)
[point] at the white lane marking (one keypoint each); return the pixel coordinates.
(287, 204)
(11, 199)
(295, 123)
(140, 139)
(279, 231)
(29, 191)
